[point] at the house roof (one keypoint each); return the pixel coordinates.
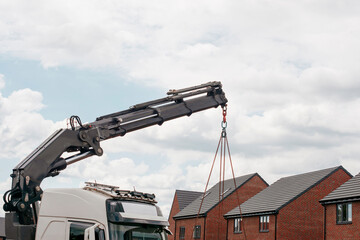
(349, 190)
(281, 193)
(212, 197)
(2, 227)
(186, 197)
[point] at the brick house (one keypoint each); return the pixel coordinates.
(287, 209)
(181, 199)
(342, 211)
(210, 224)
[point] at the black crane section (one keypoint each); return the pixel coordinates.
(84, 141)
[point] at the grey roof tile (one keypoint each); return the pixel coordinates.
(282, 192)
(349, 190)
(185, 197)
(212, 197)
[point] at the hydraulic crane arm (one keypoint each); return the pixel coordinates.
(84, 141)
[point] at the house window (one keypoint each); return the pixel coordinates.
(264, 223)
(197, 231)
(182, 233)
(237, 225)
(344, 213)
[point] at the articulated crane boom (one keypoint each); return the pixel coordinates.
(84, 141)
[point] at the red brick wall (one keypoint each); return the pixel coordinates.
(215, 223)
(174, 210)
(189, 225)
(251, 226)
(304, 217)
(342, 231)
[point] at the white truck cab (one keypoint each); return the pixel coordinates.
(99, 212)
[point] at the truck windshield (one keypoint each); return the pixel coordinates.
(136, 232)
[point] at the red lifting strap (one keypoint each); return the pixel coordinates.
(224, 112)
(223, 148)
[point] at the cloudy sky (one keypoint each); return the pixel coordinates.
(290, 70)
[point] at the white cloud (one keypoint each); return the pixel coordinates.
(21, 125)
(5, 185)
(197, 40)
(2, 81)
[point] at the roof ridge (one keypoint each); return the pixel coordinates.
(231, 179)
(180, 190)
(312, 172)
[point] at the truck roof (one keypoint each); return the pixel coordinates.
(73, 203)
(116, 193)
(90, 204)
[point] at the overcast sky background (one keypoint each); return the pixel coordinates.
(290, 70)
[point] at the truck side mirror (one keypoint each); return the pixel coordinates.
(168, 232)
(89, 233)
